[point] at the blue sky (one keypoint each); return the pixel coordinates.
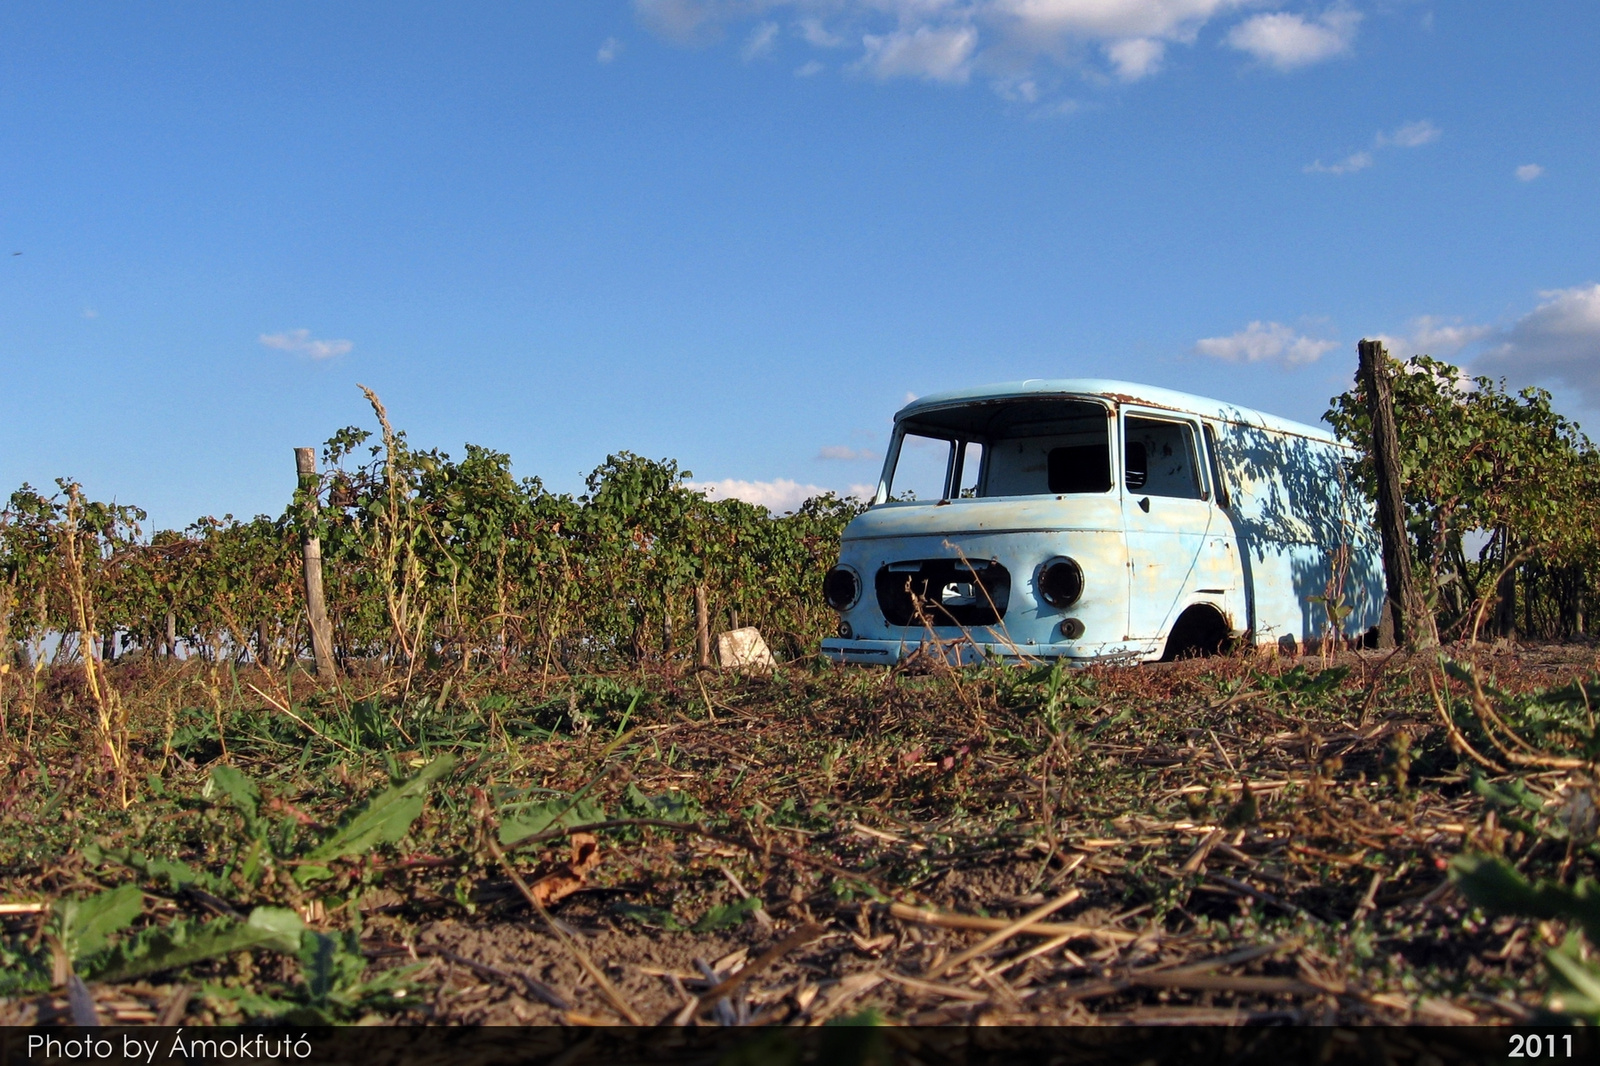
(740, 233)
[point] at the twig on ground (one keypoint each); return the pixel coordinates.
(907, 913)
(1003, 934)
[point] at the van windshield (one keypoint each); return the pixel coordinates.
(1014, 448)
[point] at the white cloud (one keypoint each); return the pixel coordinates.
(1050, 21)
(300, 342)
(809, 68)
(933, 54)
(779, 495)
(1287, 41)
(89, 312)
(1348, 165)
(1265, 342)
(687, 21)
(847, 453)
(1440, 338)
(1435, 336)
(760, 41)
(817, 35)
(1558, 341)
(1137, 57)
(1025, 90)
(1529, 171)
(1008, 41)
(1411, 135)
(1063, 107)
(610, 48)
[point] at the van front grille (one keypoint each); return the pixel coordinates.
(943, 592)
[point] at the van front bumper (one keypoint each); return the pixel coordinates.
(960, 652)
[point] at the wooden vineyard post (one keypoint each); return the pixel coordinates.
(702, 628)
(305, 463)
(1413, 621)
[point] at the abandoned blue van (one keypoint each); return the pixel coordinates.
(1092, 520)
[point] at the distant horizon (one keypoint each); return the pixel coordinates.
(739, 235)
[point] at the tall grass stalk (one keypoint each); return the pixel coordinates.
(110, 715)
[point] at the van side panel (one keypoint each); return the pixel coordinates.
(1305, 534)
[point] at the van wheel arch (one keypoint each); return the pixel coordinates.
(1200, 631)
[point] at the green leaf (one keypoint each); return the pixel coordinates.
(248, 1000)
(653, 917)
(85, 926)
(541, 816)
(279, 927)
(1460, 671)
(311, 872)
(1513, 794)
(187, 942)
(173, 874)
(329, 965)
(242, 791)
(674, 805)
(386, 817)
(1493, 884)
(1581, 984)
(727, 916)
(25, 976)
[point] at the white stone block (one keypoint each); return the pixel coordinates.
(743, 649)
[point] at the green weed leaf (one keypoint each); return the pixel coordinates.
(85, 926)
(1579, 984)
(330, 966)
(652, 917)
(726, 916)
(187, 942)
(1509, 796)
(1493, 884)
(535, 819)
(674, 805)
(385, 818)
(174, 875)
(244, 793)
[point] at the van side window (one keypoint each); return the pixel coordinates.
(969, 472)
(923, 468)
(1164, 452)
(1216, 468)
(1136, 465)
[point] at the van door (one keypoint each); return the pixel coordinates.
(1166, 516)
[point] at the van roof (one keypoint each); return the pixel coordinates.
(1122, 392)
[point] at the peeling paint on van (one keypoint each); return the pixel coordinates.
(1189, 520)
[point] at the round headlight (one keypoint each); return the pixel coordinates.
(841, 588)
(1060, 582)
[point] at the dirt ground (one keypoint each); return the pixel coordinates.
(1213, 841)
